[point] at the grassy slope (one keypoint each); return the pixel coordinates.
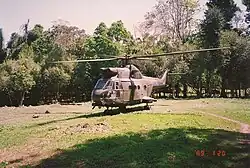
(131, 140)
(237, 109)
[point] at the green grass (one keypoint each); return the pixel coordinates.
(237, 109)
(173, 147)
(58, 131)
(143, 139)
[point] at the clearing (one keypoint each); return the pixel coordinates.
(168, 135)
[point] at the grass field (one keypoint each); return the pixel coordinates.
(168, 135)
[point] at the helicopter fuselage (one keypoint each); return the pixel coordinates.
(119, 88)
(119, 92)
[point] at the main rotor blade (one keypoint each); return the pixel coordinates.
(113, 56)
(180, 52)
(177, 73)
(151, 59)
(90, 60)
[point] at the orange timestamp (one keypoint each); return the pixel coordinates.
(202, 153)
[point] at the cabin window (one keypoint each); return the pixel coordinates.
(125, 85)
(145, 87)
(138, 87)
(116, 85)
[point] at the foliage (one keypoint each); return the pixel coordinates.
(210, 32)
(235, 65)
(19, 76)
(211, 27)
(228, 9)
(169, 27)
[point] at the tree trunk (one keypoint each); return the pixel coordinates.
(208, 77)
(57, 93)
(223, 88)
(199, 94)
(246, 95)
(10, 99)
(177, 90)
(232, 93)
(22, 98)
(240, 90)
(185, 87)
(236, 92)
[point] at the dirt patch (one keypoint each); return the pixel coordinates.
(89, 128)
(31, 153)
(24, 114)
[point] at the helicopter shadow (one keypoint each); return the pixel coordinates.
(115, 112)
(92, 115)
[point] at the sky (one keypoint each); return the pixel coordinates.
(85, 14)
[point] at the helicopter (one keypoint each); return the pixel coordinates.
(126, 85)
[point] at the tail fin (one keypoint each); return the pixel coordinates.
(164, 78)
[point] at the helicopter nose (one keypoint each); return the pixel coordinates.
(98, 92)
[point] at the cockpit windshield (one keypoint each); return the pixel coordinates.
(100, 84)
(104, 84)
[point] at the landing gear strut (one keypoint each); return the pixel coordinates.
(147, 107)
(122, 108)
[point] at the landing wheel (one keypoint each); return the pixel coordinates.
(122, 109)
(107, 111)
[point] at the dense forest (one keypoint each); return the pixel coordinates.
(28, 77)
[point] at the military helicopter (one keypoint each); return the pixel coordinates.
(126, 85)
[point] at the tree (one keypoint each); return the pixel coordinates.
(172, 18)
(148, 45)
(56, 77)
(105, 41)
(2, 51)
(17, 42)
(235, 64)
(65, 35)
(14, 46)
(101, 29)
(19, 76)
(35, 33)
(211, 28)
(42, 46)
(228, 9)
(118, 33)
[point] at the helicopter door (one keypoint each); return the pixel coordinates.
(138, 91)
(118, 89)
(125, 96)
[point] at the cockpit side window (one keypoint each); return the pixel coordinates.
(109, 85)
(136, 74)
